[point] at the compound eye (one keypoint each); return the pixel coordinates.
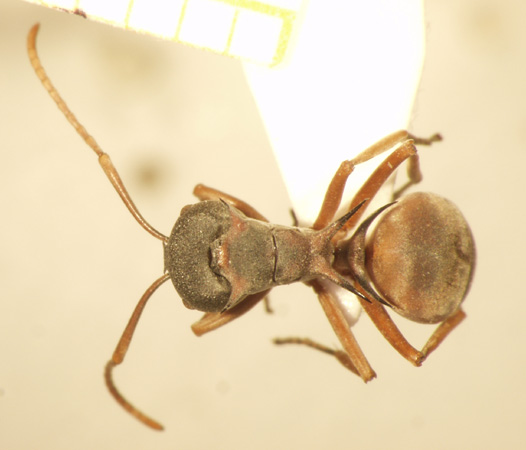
(421, 257)
(187, 256)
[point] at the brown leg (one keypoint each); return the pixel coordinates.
(267, 305)
(335, 190)
(122, 349)
(390, 331)
(437, 137)
(334, 193)
(442, 332)
(104, 159)
(340, 355)
(211, 321)
(414, 174)
(377, 179)
(343, 332)
(392, 334)
(203, 192)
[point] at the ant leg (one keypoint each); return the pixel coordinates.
(384, 171)
(414, 175)
(340, 355)
(211, 321)
(377, 179)
(122, 349)
(333, 196)
(392, 334)
(203, 192)
(268, 306)
(443, 331)
(390, 331)
(335, 190)
(344, 333)
(437, 137)
(104, 159)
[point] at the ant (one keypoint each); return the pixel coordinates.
(223, 256)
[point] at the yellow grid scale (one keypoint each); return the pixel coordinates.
(255, 31)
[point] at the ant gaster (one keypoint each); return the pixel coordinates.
(223, 256)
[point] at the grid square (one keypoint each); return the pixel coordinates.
(156, 16)
(256, 36)
(207, 23)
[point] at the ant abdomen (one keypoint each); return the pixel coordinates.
(421, 257)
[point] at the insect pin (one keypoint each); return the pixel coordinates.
(223, 256)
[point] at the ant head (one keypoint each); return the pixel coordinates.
(187, 256)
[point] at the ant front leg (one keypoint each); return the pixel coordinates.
(121, 350)
(203, 192)
(213, 320)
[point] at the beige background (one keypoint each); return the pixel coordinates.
(73, 263)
